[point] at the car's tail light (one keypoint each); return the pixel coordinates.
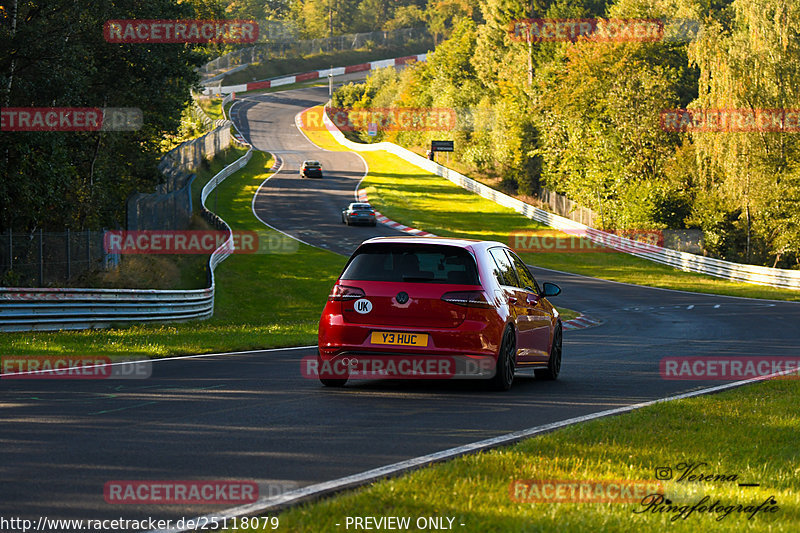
(343, 293)
(467, 298)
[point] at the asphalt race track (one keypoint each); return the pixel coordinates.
(254, 417)
(307, 209)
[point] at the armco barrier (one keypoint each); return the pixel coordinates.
(774, 277)
(23, 309)
(312, 75)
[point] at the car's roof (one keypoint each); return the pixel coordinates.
(360, 204)
(310, 162)
(448, 241)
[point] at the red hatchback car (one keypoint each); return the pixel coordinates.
(427, 297)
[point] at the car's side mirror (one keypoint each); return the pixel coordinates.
(550, 289)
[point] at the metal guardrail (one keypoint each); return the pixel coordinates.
(225, 100)
(24, 309)
(774, 277)
(217, 69)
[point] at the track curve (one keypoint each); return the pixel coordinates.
(253, 417)
(308, 210)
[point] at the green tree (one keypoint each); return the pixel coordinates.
(56, 56)
(753, 62)
(406, 17)
(444, 15)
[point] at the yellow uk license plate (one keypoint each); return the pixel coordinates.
(399, 339)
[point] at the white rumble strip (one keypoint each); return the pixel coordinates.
(318, 490)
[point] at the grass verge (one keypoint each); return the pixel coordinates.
(262, 300)
(212, 107)
(423, 200)
(476, 490)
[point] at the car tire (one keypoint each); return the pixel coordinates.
(554, 364)
(347, 221)
(333, 382)
(374, 224)
(343, 219)
(506, 362)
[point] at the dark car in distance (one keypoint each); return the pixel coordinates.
(359, 213)
(311, 169)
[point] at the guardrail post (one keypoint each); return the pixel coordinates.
(41, 258)
(69, 265)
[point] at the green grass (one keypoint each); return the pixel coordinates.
(567, 314)
(212, 107)
(270, 290)
(177, 271)
(262, 300)
(760, 447)
(423, 200)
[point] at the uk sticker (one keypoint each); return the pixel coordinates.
(363, 306)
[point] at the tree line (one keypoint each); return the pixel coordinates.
(53, 54)
(586, 118)
(323, 18)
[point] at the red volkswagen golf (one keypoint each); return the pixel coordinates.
(416, 300)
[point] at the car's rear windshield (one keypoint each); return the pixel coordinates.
(412, 263)
(312, 164)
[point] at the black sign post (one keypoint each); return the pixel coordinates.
(442, 146)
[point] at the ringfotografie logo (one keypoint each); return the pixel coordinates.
(698, 474)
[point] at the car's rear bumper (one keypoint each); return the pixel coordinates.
(363, 220)
(471, 338)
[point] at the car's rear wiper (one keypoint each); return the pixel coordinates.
(417, 278)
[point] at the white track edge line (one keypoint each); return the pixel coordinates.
(306, 136)
(320, 489)
(364, 161)
(664, 288)
(253, 205)
(155, 360)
